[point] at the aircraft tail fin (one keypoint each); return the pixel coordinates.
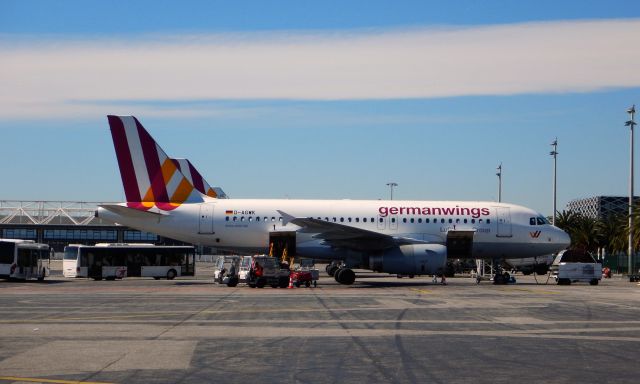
(150, 178)
(196, 179)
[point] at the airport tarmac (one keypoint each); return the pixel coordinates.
(379, 330)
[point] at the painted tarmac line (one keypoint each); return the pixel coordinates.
(40, 380)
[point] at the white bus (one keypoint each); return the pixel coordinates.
(115, 261)
(24, 259)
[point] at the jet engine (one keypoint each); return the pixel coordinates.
(415, 259)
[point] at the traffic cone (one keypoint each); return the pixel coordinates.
(290, 282)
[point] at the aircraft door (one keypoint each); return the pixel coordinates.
(381, 222)
(282, 245)
(460, 244)
(206, 218)
(504, 222)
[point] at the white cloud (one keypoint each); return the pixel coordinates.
(51, 79)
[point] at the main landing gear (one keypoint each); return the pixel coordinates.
(341, 273)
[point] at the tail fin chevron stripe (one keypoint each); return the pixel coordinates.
(196, 179)
(149, 176)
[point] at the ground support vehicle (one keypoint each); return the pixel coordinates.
(245, 267)
(572, 266)
(227, 270)
(266, 270)
(305, 273)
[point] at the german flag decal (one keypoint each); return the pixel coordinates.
(228, 212)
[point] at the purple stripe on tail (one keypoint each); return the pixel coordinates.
(197, 178)
(125, 163)
(150, 153)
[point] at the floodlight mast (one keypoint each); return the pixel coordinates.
(554, 153)
(391, 185)
(631, 123)
(499, 174)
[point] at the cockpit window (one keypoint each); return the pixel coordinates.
(532, 221)
(542, 220)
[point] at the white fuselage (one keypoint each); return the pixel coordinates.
(244, 225)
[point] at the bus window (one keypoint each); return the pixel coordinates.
(6, 252)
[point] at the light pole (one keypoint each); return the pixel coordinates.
(554, 153)
(391, 185)
(631, 123)
(499, 174)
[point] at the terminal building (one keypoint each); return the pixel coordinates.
(59, 223)
(599, 207)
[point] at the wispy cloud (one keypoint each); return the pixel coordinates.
(61, 78)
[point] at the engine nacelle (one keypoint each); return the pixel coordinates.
(415, 259)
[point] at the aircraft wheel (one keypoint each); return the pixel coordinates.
(336, 274)
(346, 276)
(332, 269)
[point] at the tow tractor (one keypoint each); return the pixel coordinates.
(227, 270)
(267, 270)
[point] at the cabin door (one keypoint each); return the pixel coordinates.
(504, 222)
(206, 218)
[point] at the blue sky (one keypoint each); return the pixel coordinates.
(326, 99)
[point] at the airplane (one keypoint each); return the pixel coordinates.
(392, 236)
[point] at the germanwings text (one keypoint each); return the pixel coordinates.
(443, 211)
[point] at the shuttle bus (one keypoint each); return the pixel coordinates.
(24, 259)
(115, 261)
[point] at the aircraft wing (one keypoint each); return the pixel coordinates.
(344, 236)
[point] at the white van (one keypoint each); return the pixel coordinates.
(572, 266)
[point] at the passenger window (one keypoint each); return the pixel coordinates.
(364, 219)
(442, 221)
(532, 221)
(404, 220)
(457, 221)
(273, 218)
(393, 219)
(326, 219)
(488, 221)
(349, 219)
(450, 221)
(235, 218)
(419, 221)
(250, 218)
(242, 218)
(226, 218)
(412, 220)
(266, 218)
(357, 219)
(381, 219)
(280, 219)
(465, 221)
(473, 221)
(426, 221)
(342, 219)
(335, 220)
(257, 218)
